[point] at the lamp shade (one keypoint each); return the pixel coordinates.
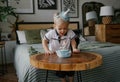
(106, 11)
(91, 16)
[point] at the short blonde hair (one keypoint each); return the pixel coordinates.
(58, 19)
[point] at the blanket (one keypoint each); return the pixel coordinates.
(109, 71)
(87, 45)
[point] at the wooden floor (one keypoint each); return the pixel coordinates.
(10, 76)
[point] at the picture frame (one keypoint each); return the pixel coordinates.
(116, 18)
(47, 4)
(117, 12)
(73, 5)
(21, 7)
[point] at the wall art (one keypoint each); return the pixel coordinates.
(22, 6)
(47, 4)
(73, 5)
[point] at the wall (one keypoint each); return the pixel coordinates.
(47, 15)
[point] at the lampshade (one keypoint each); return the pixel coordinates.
(91, 16)
(106, 11)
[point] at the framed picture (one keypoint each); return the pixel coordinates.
(22, 6)
(117, 12)
(73, 5)
(47, 4)
(116, 18)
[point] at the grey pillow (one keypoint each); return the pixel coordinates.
(33, 36)
(43, 32)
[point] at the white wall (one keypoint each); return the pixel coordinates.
(47, 15)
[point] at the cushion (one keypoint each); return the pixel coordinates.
(33, 36)
(21, 36)
(42, 33)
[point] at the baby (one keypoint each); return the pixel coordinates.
(60, 37)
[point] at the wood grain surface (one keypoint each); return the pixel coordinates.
(77, 62)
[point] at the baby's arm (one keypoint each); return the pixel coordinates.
(45, 46)
(74, 46)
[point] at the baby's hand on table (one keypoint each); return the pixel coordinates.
(76, 51)
(48, 52)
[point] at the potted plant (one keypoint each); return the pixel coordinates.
(6, 11)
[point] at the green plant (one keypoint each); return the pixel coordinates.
(6, 11)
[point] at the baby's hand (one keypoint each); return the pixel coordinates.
(48, 52)
(76, 51)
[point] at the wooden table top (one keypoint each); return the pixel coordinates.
(77, 62)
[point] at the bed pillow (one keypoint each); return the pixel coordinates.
(21, 36)
(43, 32)
(33, 36)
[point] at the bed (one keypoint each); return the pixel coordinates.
(110, 69)
(108, 72)
(24, 71)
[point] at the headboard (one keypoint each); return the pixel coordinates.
(41, 25)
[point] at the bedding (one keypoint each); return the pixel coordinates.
(33, 36)
(22, 27)
(29, 36)
(110, 69)
(21, 36)
(108, 72)
(25, 71)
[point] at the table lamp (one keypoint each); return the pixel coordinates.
(106, 12)
(91, 18)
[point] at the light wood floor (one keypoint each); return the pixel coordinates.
(10, 76)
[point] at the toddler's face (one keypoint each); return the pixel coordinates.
(61, 28)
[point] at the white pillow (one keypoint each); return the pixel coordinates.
(21, 37)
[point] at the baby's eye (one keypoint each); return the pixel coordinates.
(59, 29)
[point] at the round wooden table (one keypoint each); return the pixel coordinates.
(77, 62)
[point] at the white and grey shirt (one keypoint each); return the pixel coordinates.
(56, 42)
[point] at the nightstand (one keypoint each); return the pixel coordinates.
(3, 63)
(10, 47)
(108, 33)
